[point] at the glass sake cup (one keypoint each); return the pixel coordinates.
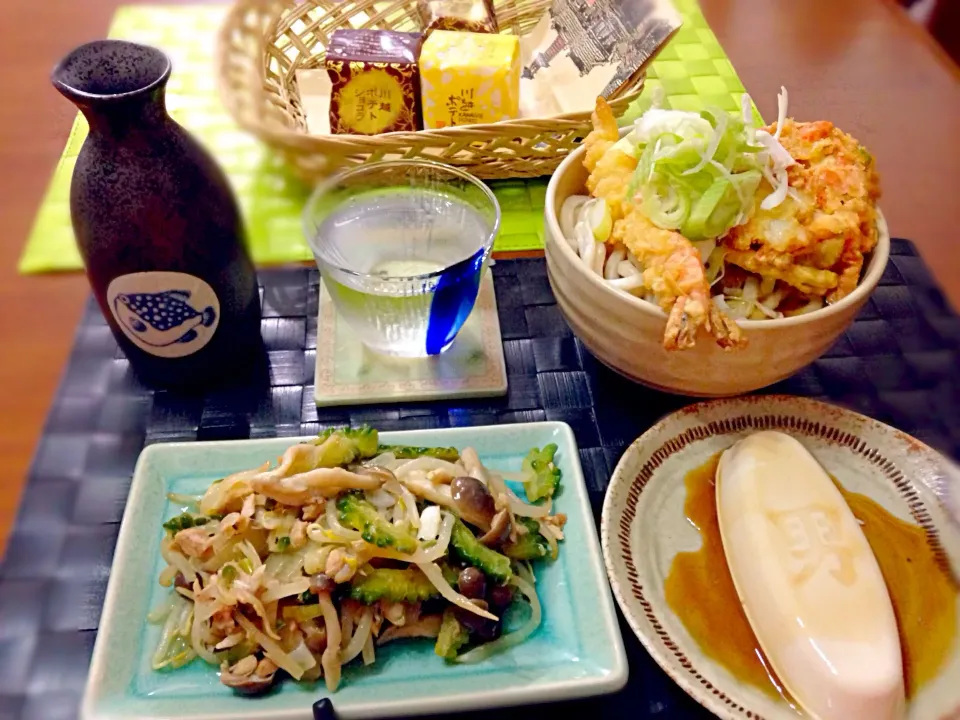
(402, 246)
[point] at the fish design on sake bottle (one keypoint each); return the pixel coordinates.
(164, 318)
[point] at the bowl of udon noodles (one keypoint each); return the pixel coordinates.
(794, 254)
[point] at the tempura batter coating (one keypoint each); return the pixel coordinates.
(815, 240)
(673, 269)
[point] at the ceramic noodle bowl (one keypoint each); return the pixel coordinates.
(626, 332)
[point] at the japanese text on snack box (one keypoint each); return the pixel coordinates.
(371, 102)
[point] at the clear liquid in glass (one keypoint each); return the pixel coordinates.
(406, 237)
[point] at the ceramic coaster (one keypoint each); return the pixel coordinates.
(348, 373)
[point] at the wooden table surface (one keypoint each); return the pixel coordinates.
(860, 63)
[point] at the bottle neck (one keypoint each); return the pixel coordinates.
(118, 119)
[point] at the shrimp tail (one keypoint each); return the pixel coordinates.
(676, 276)
(723, 328)
(681, 329)
(603, 135)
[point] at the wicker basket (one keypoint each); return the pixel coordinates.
(264, 42)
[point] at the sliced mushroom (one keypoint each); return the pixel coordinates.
(426, 626)
(381, 473)
(440, 475)
(245, 666)
(230, 641)
(266, 667)
(249, 676)
(499, 529)
(473, 501)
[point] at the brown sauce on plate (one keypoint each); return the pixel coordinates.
(700, 591)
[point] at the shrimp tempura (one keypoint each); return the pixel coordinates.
(674, 273)
(673, 270)
(610, 169)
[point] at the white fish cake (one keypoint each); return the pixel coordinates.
(808, 581)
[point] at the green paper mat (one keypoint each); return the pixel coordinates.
(693, 71)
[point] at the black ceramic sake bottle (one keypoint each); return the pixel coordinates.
(157, 224)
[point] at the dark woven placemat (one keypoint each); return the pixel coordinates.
(899, 362)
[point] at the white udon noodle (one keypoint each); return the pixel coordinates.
(621, 270)
(615, 268)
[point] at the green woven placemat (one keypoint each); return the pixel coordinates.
(693, 71)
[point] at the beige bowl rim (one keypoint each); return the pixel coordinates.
(870, 279)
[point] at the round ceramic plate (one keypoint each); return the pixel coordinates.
(644, 527)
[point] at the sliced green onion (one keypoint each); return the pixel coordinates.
(697, 221)
(599, 219)
(719, 128)
(696, 173)
(667, 206)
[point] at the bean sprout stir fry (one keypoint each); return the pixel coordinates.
(298, 568)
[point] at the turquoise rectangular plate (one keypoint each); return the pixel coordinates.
(577, 650)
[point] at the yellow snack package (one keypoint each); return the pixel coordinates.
(469, 78)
